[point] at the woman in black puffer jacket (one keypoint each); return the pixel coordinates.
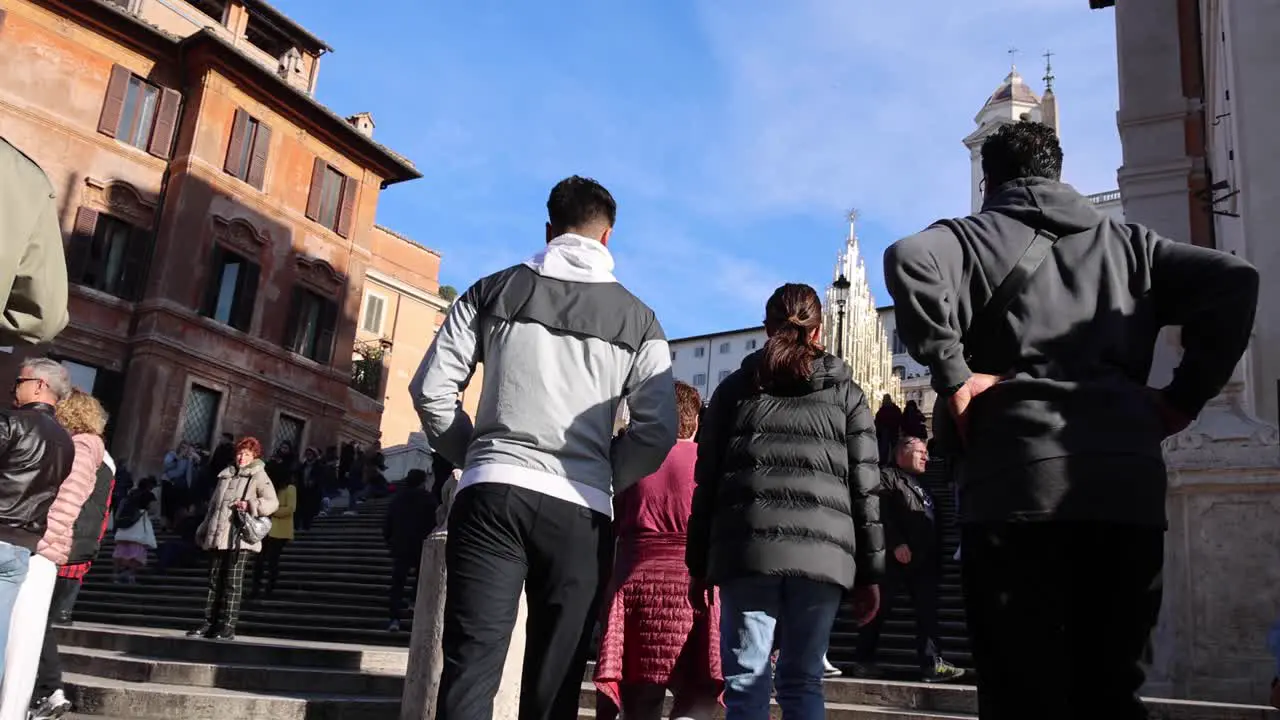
(784, 515)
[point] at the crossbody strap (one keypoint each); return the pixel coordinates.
(987, 320)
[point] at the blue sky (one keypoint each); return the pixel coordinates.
(734, 135)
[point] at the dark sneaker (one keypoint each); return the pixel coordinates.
(865, 671)
(223, 634)
(50, 708)
(202, 631)
(942, 672)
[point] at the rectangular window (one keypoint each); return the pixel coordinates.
(700, 380)
(332, 198)
(288, 430)
(673, 356)
(200, 415)
(232, 289)
(108, 254)
(724, 348)
(723, 374)
(374, 308)
(753, 344)
(699, 352)
(898, 347)
(247, 150)
(312, 322)
(139, 113)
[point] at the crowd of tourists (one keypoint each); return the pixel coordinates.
(716, 547)
(707, 548)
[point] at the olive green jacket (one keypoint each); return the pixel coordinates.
(33, 268)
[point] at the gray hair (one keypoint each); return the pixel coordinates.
(53, 374)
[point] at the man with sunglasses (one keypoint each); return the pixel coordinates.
(35, 457)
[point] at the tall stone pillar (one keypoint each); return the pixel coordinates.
(1222, 554)
(426, 654)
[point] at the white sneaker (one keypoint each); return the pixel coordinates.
(51, 708)
(829, 670)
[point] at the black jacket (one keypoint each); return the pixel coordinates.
(410, 518)
(1074, 433)
(86, 534)
(786, 481)
(35, 457)
(905, 515)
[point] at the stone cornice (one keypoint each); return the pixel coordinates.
(405, 288)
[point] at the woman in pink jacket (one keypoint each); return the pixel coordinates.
(84, 419)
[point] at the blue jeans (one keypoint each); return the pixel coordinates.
(13, 570)
(801, 613)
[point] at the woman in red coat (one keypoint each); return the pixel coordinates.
(653, 639)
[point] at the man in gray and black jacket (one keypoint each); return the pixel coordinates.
(1063, 478)
(562, 344)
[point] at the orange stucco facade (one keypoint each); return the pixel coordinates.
(148, 346)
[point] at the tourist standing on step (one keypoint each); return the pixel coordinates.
(281, 534)
(785, 517)
(244, 487)
(135, 536)
(654, 639)
(562, 343)
(1038, 319)
(913, 537)
(410, 517)
(888, 426)
(84, 420)
(36, 658)
(36, 455)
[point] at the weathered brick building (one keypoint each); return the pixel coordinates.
(219, 220)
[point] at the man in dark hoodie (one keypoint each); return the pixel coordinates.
(1063, 494)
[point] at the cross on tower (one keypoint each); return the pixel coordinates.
(852, 215)
(1048, 70)
(1013, 57)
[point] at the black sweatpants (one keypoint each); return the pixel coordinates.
(401, 567)
(1059, 614)
(501, 538)
(49, 671)
(920, 579)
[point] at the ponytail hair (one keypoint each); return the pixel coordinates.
(790, 317)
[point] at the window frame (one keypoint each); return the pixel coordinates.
(244, 294)
(699, 383)
(382, 312)
(699, 351)
(318, 347)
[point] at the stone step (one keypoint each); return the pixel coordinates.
(248, 649)
(257, 678)
(876, 700)
(156, 701)
(261, 629)
(284, 595)
(299, 615)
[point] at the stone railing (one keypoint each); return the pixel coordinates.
(1105, 197)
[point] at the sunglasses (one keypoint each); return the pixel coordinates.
(18, 383)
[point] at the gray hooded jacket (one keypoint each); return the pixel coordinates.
(562, 344)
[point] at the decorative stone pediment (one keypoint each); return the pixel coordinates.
(240, 235)
(119, 198)
(1225, 435)
(320, 275)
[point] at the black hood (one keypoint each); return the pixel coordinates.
(828, 370)
(1045, 205)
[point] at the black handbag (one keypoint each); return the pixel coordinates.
(984, 332)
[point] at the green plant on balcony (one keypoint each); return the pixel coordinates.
(366, 368)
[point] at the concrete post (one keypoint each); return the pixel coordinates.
(426, 654)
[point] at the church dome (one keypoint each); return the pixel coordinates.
(1014, 89)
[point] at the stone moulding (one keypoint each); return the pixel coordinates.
(239, 234)
(121, 199)
(319, 274)
(1225, 435)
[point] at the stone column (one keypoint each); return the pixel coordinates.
(426, 655)
(1222, 554)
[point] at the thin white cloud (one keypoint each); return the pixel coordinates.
(839, 103)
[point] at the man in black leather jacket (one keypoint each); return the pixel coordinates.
(35, 457)
(913, 535)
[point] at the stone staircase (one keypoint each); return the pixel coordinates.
(333, 587)
(156, 674)
(318, 649)
(896, 654)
